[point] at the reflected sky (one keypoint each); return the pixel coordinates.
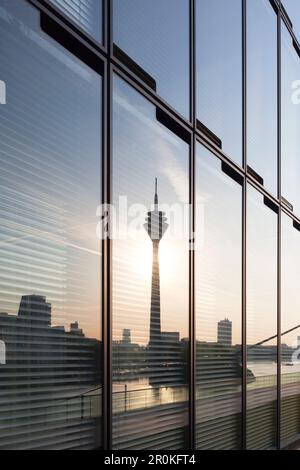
(155, 34)
(50, 173)
(292, 8)
(218, 305)
(144, 149)
(86, 13)
(261, 269)
(148, 374)
(290, 122)
(219, 249)
(50, 160)
(261, 321)
(262, 91)
(290, 304)
(219, 71)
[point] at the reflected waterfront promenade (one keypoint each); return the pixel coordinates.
(133, 390)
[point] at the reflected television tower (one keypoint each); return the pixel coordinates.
(156, 226)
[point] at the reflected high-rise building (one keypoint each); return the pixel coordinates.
(156, 226)
(225, 332)
(59, 365)
(126, 337)
(35, 310)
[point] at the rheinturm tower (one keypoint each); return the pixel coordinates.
(156, 226)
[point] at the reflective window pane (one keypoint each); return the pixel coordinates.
(219, 71)
(50, 149)
(292, 7)
(218, 306)
(261, 323)
(290, 121)
(85, 13)
(155, 34)
(262, 91)
(150, 278)
(290, 333)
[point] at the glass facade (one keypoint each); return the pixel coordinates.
(290, 120)
(261, 325)
(155, 35)
(219, 72)
(87, 14)
(149, 224)
(218, 308)
(150, 326)
(290, 367)
(50, 320)
(292, 8)
(261, 99)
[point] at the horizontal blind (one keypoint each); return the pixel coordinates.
(85, 13)
(262, 314)
(149, 279)
(290, 333)
(218, 306)
(50, 384)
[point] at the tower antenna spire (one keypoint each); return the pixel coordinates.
(155, 195)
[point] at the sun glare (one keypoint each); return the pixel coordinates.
(142, 264)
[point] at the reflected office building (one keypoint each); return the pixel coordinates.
(179, 328)
(50, 382)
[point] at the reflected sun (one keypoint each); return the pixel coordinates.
(142, 263)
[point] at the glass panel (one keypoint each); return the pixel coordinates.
(85, 13)
(292, 8)
(290, 121)
(218, 306)
(261, 323)
(50, 149)
(155, 35)
(150, 278)
(262, 91)
(290, 333)
(219, 71)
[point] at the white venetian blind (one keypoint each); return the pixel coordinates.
(150, 283)
(50, 382)
(85, 13)
(218, 306)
